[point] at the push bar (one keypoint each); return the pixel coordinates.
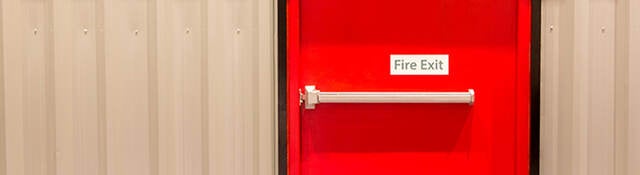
(312, 96)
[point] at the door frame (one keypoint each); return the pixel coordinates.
(534, 108)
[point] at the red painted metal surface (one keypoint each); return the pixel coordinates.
(344, 45)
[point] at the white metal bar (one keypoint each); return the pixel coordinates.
(313, 96)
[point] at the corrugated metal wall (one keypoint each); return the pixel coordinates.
(118, 87)
(135, 87)
(590, 111)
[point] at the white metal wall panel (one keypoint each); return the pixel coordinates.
(117, 87)
(589, 118)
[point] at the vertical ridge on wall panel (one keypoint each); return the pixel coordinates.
(238, 117)
(549, 162)
(152, 62)
(246, 67)
(49, 70)
(127, 87)
(3, 154)
(571, 92)
(265, 74)
(168, 160)
(77, 85)
(101, 87)
(621, 87)
(66, 118)
(187, 23)
(221, 129)
(578, 128)
(204, 56)
(38, 113)
(633, 124)
(180, 86)
(13, 65)
(601, 83)
(13, 31)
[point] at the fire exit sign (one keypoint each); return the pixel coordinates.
(419, 64)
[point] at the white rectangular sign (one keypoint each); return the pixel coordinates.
(419, 64)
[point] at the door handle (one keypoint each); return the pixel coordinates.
(312, 96)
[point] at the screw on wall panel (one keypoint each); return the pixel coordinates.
(136, 32)
(237, 30)
(602, 29)
(188, 31)
(85, 31)
(551, 28)
(35, 31)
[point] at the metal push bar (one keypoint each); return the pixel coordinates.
(312, 96)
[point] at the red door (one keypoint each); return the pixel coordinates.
(392, 80)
